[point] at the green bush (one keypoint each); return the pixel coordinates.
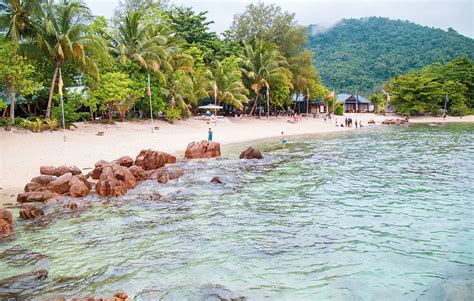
(339, 111)
(71, 106)
(459, 109)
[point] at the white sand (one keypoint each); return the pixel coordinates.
(23, 152)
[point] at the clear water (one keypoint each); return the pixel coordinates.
(382, 214)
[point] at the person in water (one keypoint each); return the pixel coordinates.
(209, 135)
(282, 138)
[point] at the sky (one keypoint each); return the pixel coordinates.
(443, 14)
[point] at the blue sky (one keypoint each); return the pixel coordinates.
(457, 14)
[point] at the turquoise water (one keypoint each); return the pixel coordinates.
(384, 213)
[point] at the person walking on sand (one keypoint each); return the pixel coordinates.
(209, 135)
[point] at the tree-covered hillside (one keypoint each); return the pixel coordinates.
(361, 54)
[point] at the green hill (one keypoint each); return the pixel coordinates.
(362, 54)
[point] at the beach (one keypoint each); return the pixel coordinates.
(22, 152)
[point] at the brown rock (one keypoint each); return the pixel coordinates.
(30, 212)
(216, 180)
(371, 121)
(164, 175)
(203, 149)
(61, 184)
(95, 174)
(79, 186)
(115, 180)
(43, 180)
(149, 159)
(6, 221)
(37, 196)
(139, 173)
(251, 153)
(126, 161)
(32, 187)
(59, 171)
(121, 296)
(163, 179)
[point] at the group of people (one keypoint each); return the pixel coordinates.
(296, 118)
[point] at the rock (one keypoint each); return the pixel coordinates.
(154, 197)
(163, 179)
(126, 161)
(59, 171)
(219, 292)
(139, 173)
(203, 149)
(37, 196)
(71, 205)
(30, 212)
(149, 159)
(95, 174)
(32, 187)
(371, 121)
(43, 180)
(216, 180)
(163, 175)
(79, 186)
(251, 153)
(61, 184)
(6, 221)
(121, 296)
(115, 180)
(15, 287)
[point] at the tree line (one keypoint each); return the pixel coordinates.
(108, 62)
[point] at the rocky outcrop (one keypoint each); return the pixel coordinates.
(6, 221)
(59, 171)
(149, 159)
(30, 212)
(126, 161)
(37, 196)
(164, 175)
(139, 173)
(61, 184)
(216, 180)
(97, 171)
(251, 153)
(203, 149)
(115, 180)
(397, 121)
(79, 186)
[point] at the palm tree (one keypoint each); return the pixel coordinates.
(178, 90)
(263, 65)
(16, 16)
(139, 42)
(61, 34)
(229, 88)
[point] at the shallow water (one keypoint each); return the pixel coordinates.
(385, 213)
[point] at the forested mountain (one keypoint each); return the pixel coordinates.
(361, 54)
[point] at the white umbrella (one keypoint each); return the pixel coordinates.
(210, 107)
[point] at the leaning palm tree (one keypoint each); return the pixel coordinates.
(229, 88)
(178, 90)
(263, 65)
(61, 34)
(139, 42)
(15, 16)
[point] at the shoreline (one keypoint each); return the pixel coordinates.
(23, 152)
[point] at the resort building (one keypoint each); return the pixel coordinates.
(355, 102)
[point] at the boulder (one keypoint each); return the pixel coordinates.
(95, 174)
(31, 212)
(121, 296)
(164, 175)
(251, 153)
(216, 180)
(203, 149)
(59, 171)
(371, 121)
(32, 187)
(149, 159)
(61, 184)
(139, 173)
(126, 161)
(79, 186)
(37, 196)
(115, 180)
(6, 221)
(43, 180)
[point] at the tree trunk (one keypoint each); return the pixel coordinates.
(51, 90)
(254, 104)
(12, 105)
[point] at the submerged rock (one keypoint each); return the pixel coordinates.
(221, 293)
(13, 287)
(216, 180)
(203, 149)
(149, 159)
(6, 221)
(164, 175)
(31, 212)
(251, 153)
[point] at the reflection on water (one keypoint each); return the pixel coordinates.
(381, 214)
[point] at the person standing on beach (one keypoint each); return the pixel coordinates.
(209, 135)
(345, 122)
(282, 138)
(356, 123)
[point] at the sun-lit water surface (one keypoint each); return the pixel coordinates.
(382, 214)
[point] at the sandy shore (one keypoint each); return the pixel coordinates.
(23, 152)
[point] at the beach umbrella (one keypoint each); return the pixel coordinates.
(210, 107)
